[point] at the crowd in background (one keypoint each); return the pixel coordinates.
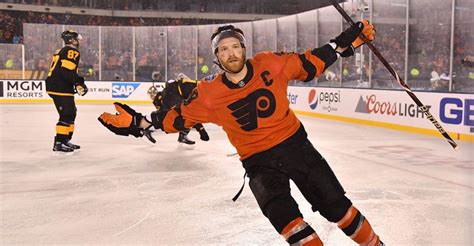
(11, 22)
(428, 66)
(279, 7)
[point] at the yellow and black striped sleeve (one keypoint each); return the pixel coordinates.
(186, 87)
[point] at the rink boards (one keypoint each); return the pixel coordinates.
(388, 108)
(382, 108)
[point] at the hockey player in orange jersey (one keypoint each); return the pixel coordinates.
(249, 100)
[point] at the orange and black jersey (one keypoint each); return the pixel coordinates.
(62, 73)
(255, 112)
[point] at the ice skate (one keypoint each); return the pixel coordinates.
(183, 138)
(73, 146)
(62, 147)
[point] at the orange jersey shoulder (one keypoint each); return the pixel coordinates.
(255, 115)
(254, 112)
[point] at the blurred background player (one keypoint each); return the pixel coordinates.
(62, 83)
(173, 94)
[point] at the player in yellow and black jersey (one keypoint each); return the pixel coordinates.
(175, 92)
(62, 83)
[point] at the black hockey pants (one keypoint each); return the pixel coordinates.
(296, 159)
(66, 107)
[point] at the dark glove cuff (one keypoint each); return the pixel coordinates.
(348, 52)
(135, 129)
(156, 119)
(137, 118)
(80, 81)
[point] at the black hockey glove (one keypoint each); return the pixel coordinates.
(80, 87)
(202, 132)
(125, 122)
(350, 37)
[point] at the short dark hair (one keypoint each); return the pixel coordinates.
(224, 28)
(69, 35)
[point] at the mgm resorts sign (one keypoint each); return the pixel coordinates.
(22, 89)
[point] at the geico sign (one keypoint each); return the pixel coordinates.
(456, 111)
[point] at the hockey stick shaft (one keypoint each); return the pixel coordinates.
(402, 83)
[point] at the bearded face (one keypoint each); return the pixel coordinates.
(231, 54)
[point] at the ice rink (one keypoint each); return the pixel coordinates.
(414, 189)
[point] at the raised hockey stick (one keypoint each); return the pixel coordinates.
(402, 83)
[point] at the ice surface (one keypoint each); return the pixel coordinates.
(415, 190)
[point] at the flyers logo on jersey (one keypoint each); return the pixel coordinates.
(259, 104)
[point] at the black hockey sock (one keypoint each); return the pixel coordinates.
(62, 132)
(71, 130)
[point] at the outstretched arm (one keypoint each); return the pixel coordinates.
(129, 122)
(125, 122)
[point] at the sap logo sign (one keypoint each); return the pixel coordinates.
(123, 90)
(455, 111)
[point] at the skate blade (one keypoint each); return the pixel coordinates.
(61, 153)
(186, 146)
(232, 154)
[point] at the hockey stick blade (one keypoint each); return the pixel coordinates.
(402, 83)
